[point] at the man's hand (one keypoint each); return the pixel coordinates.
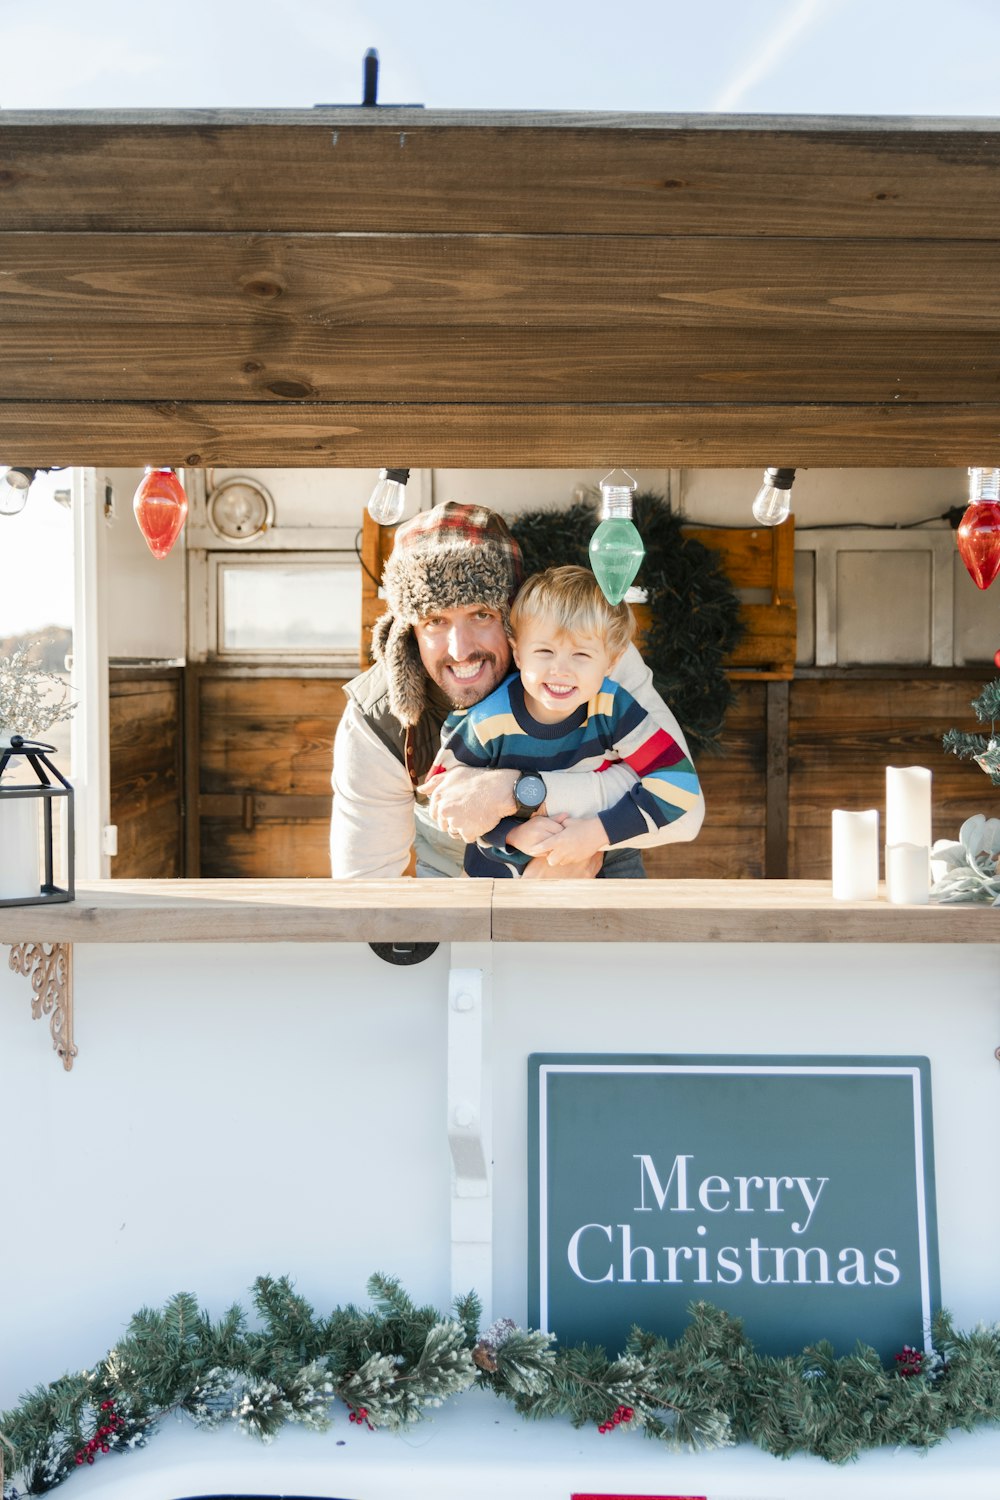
(467, 803)
(580, 840)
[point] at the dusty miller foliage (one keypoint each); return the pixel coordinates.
(389, 1363)
(694, 608)
(31, 700)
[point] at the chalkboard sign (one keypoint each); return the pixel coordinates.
(795, 1192)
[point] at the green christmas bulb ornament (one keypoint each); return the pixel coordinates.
(616, 549)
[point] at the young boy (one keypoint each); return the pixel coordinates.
(563, 711)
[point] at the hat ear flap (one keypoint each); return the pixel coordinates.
(380, 634)
(404, 671)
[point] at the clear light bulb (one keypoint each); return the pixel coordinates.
(984, 484)
(14, 486)
(388, 498)
(616, 549)
(773, 501)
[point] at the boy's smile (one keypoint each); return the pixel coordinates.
(559, 671)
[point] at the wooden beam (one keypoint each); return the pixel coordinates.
(324, 284)
(411, 171)
(476, 435)
(79, 359)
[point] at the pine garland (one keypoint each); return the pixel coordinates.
(984, 751)
(694, 608)
(389, 1364)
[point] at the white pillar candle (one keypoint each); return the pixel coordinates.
(19, 877)
(907, 874)
(855, 856)
(907, 805)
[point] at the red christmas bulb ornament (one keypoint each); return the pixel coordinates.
(979, 541)
(161, 508)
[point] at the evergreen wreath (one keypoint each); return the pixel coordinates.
(694, 608)
(389, 1364)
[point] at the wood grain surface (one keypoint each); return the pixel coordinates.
(739, 911)
(213, 287)
(324, 284)
(144, 715)
(286, 360)
(259, 911)
(669, 911)
(316, 434)
(412, 171)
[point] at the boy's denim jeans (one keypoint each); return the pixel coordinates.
(619, 864)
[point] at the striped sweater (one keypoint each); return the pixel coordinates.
(500, 734)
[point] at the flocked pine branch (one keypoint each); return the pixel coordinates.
(390, 1363)
(983, 749)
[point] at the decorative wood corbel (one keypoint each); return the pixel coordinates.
(49, 966)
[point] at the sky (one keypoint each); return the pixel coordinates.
(911, 57)
(854, 57)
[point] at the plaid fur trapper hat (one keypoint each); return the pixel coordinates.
(444, 558)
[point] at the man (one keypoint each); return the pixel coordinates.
(443, 644)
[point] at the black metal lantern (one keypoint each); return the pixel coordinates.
(19, 829)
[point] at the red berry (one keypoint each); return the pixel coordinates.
(90, 1460)
(79, 1458)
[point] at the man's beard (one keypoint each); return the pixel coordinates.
(477, 690)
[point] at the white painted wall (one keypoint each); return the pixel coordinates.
(232, 1113)
(283, 1110)
(144, 596)
(323, 508)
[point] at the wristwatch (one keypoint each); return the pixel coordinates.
(529, 794)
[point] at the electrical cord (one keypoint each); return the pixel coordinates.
(953, 516)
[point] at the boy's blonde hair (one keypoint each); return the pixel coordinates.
(571, 600)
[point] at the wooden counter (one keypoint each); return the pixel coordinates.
(325, 911)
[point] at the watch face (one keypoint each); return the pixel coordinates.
(240, 510)
(529, 791)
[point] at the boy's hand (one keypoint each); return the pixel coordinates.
(579, 840)
(540, 869)
(536, 836)
(467, 803)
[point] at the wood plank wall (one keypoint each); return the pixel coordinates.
(145, 711)
(264, 792)
(843, 730)
(264, 780)
(355, 288)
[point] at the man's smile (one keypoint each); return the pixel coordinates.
(466, 671)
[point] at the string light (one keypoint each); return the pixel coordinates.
(773, 502)
(388, 498)
(160, 507)
(14, 487)
(616, 549)
(978, 537)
